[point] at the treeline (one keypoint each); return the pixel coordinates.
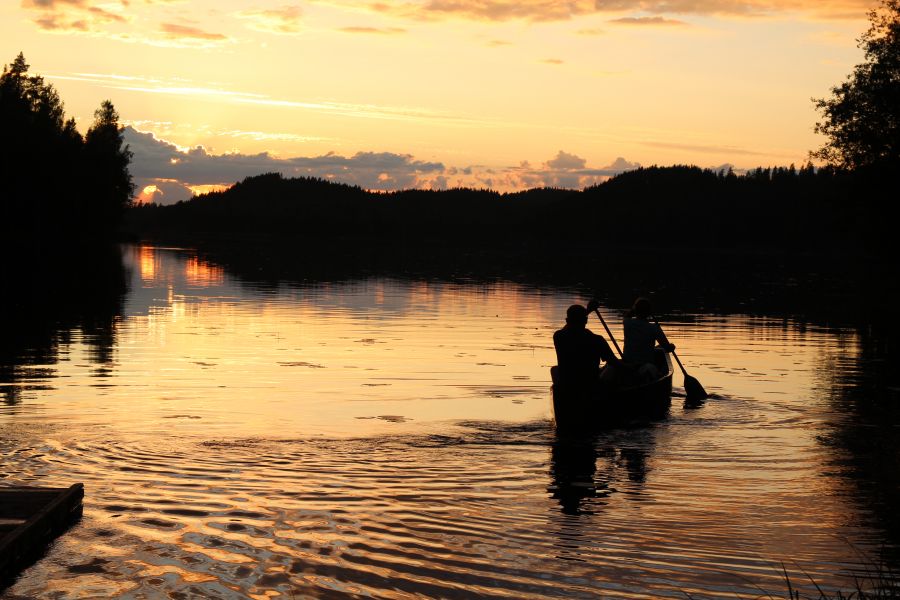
(679, 206)
(56, 184)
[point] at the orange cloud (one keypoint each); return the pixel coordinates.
(490, 10)
(284, 20)
(704, 148)
(167, 173)
(378, 30)
(175, 31)
(73, 16)
(555, 10)
(647, 21)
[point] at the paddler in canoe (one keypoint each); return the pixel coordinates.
(579, 352)
(586, 396)
(641, 337)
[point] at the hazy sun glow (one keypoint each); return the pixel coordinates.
(492, 94)
(205, 189)
(147, 194)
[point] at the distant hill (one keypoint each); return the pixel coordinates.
(679, 206)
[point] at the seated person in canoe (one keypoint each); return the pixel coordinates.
(579, 352)
(641, 337)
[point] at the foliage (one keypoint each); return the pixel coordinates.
(682, 206)
(862, 116)
(53, 182)
(877, 582)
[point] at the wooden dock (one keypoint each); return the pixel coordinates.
(31, 518)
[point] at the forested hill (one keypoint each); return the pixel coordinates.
(678, 206)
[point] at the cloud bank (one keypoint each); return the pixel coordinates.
(176, 174)
(125, 20)
(556, 10)
(75, 16)
(165, 174)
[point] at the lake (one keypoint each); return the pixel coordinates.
(391, 437)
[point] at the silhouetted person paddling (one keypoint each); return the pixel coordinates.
(579, 351)
(641, 337)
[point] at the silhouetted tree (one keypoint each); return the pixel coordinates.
(108, 156)
(54, 183)
(862, 116)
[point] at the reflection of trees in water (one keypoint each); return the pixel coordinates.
(585, 470)
(863, 434)
(806, 288)
(51, 296)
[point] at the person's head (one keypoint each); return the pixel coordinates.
(641, 308)
(576, 316)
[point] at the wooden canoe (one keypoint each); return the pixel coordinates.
(599, 408)
(30, 518)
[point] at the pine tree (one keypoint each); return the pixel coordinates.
(53, 182)
(108, 156)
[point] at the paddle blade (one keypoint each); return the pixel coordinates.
(694, 392)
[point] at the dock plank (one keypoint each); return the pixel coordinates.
(30, 518)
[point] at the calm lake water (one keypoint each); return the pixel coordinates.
(392, 438)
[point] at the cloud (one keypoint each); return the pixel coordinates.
(377, 30)
(561, 10)
(564, 160)
(498, 43)
(284, 20)
(179, 32)
(712, 149)
(552, 61)
(166, 173)
(162, 129)
(723, 168)
(590, 32)
(75, 16)
(647, 21)
(181, 87)
(488, 10)
(175, 172)
(565, 170)
(115, 19)
(621, 165)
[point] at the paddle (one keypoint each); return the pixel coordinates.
(694, 392)
(605, 326)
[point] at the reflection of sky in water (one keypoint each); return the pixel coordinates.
(337, 353)
(390, 437)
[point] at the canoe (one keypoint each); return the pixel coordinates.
(599, 408)
(30, 518)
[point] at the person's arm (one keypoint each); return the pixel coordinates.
(603, 350)
(663, 340)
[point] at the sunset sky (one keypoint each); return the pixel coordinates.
(434, 93)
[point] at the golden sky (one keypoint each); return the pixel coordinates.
(431, 93)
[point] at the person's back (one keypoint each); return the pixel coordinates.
(579, 350)
(640, 340)
(641, 335)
